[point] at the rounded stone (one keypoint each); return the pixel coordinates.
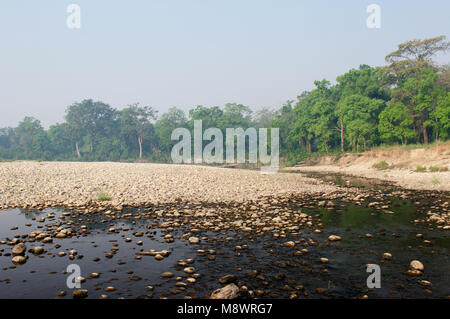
(416, 265)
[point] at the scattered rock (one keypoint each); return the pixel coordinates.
(227, 279)
(334, 238)
(19, 249)
(193, 240)
(289, 244)
(37, 250)
(189, 270)
(19, 260)
(80, 293)
(416, 265)
(230, 291)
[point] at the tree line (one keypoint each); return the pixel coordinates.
(405, 101)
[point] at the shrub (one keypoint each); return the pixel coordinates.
(103, 197)
(420, 169)
(438, 169)
(381, 165)
(435, 181)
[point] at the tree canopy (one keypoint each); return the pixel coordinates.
(406, 101)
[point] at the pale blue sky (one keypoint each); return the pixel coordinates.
(184, 53)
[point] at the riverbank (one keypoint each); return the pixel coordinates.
(415, 168)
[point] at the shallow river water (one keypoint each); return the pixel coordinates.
(266, 267)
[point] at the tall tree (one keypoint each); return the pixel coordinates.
(235, 116)
(172, 119)
(408, 65)
(137, 121)
(396, 123)
(412, 56)
(32, 139)
(210, 116)
(91, 120)
(61, 140)
(264, 117)
(360, 115)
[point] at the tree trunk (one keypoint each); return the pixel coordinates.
(425, 135)
(140, 146)
(301, 142)
(78, 150)
(437, 134)
(342, 137)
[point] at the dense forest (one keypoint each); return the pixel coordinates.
(405, 101)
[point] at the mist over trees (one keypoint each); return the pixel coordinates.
(406, 101)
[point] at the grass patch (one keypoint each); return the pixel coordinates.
(383, 165)
(435, 181)
(103, 197)
(420, 169)
(438, 169)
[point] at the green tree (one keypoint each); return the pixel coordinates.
(442, 114)
(410, 72)
(411, 57)
(359, 115)
(32, 139)
(264, 117)
(285, 120)
(89, 121)
(61, 140)
(301, 130)
(136, 122)
(172, 119)
(235, 116)
(396, 123)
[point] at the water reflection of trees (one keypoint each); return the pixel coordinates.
(29, 214)
(360, 217)
(94, 222)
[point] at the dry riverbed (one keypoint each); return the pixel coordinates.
(52, 184)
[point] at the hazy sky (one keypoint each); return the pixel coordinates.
(184, 53)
